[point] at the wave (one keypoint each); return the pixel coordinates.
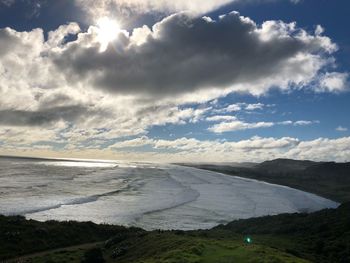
(75, 201)
(148, 199)
(189, 198)
(157, 196)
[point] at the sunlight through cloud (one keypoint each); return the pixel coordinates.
(107, 31)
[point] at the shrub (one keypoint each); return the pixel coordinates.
(93, 255)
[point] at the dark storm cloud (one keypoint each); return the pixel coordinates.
(41, 117)
(184, 54)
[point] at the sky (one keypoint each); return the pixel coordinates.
(175, 81)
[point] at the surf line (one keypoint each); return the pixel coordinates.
(76, 201)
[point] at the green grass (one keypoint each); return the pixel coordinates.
(171, 248)
(19, 236)
(61, 257)
(208, 251)
(322, 236)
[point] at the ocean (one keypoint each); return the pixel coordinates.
(151, 196)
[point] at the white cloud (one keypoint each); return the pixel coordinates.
(71, 93)
(319, 30)
(56, 38)
(220, 118)
(127, 7)
(341, 129)
(242, 106)
(22, 136)
(256, 106)
(81, 64)
(294, 58)
(286, 123)
(238, 125)
(333, 82)
(138, 142)
(232, 108)
(304, 123)
(254, 149)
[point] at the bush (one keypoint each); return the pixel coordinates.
(93, 256)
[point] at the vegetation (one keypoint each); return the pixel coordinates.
(19, 236)
(323, 236)
(93, 255)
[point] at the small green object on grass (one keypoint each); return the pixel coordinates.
(248, 240)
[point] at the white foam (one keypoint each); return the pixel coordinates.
(225, 198)
(151, 196)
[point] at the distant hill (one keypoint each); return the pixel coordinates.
(281, 165)
(221, 164)
(330, 169)
(327, 179)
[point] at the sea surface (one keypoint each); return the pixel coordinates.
(151, 196)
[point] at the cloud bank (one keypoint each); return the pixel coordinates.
(64, 91)
(128, 8)
(181, 54)
(255, 149)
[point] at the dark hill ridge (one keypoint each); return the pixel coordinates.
(323, 236)
(289, 165)
(327, 179)
(285, 164)
(335, 169)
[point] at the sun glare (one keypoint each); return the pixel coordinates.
(107, 31)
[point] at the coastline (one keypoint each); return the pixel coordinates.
(285, 237)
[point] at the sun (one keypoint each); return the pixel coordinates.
(108, 30)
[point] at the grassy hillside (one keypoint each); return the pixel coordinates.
(163, 246)
(323, 236)
(19, 236)
(327, 179)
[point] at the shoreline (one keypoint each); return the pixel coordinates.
(284, 236)
(325, 179)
